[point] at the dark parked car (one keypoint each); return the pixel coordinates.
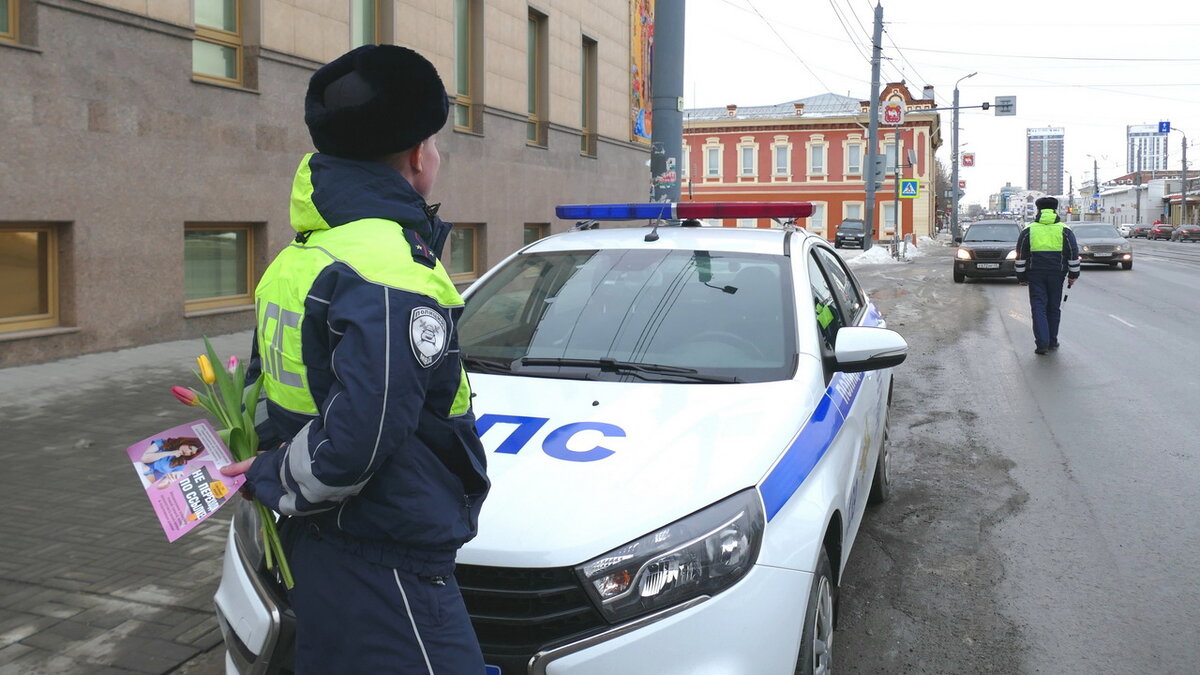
(987, 249)
(1160, 231)
(1139, 231)
(851, 231)
(1103, 244)
(1186, 233)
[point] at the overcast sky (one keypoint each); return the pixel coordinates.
(1089, 67)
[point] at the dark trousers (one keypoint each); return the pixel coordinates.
(355, 616)
(1045, 294)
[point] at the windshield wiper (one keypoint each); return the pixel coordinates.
(631, 367)
(487, 365)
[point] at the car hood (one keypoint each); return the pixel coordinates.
(612, 461)
(988, 245)
(1116, 241)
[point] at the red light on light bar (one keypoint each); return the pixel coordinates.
(743, 209)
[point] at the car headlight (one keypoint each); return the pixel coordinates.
(1012, 255)
(702, 554)
(1119, 247)
(964, 254)
(247, 529)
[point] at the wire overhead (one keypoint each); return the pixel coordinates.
(789, 47)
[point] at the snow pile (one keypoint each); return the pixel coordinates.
(876, 255)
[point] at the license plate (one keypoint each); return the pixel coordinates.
(1101, 255)
(988, 266)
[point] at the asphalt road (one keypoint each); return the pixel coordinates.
(1041, 519)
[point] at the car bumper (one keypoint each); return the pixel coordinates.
(983, 268)
(249, 612)
(760, 621)
(1109, 259)
(848, 241)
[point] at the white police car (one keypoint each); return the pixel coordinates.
(684, 426)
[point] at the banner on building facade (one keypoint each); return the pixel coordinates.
(641, 58)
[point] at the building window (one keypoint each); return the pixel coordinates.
(854, 159)
(816, 159)
(462, 258)
(217, 48)
(816, 222)
(712, 161)
(218, 265)
(364, 22)
(686, 169)
(747, 164)
(8, 20)
(537, 74)
(889, 158)
(854, 211)
(747, 222)
(889, 218)
(468, 56)
(782, 160)
(535, 231)
(29, 276)
(588, 106)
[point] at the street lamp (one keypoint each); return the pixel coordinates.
(954, 160)
(1183, 200)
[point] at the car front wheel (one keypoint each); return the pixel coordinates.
(958, 277)
(881, 484)
(816, 645)
(1127, 265)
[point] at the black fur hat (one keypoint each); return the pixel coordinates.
(373, 101)
(1046, 203)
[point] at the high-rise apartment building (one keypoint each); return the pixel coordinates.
(1044, 160)
(1146, 148)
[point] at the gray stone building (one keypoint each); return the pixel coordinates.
(148, 146)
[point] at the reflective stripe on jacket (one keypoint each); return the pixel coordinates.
(356, 337)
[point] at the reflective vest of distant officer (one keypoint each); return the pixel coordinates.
(375, 456)
(1046, 254)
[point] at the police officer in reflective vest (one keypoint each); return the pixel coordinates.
(374, 455)
(1046, 254)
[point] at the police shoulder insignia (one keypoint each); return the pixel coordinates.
(427, 333)
(421, 252)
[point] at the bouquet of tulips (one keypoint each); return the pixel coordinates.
(226, 398)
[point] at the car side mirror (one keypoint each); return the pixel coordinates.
(863, 348)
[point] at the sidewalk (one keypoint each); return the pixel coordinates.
(88, 581)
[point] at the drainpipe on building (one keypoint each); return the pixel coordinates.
(666, 101)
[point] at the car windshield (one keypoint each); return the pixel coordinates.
(851, 226)
(992, 232)
(1095, 231)
(662, 315)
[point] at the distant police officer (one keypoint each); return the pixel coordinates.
(1046, 254)
(375, 455)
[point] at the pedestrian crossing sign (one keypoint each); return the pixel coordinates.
(908, 188)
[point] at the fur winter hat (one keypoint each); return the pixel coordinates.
(1046, 203)
(374, 100)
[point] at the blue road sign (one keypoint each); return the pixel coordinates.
(1164, 127)
(908, 188)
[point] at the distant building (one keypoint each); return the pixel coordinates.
(149, 146)
(1044, 160)
(1146, 149)
(815, 150)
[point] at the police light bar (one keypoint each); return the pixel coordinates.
(678, 211)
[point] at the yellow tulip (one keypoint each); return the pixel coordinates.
(206, 369)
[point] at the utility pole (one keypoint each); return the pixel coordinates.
(873, 127)
(954, 191)
(1138, 190)
(666, 101)
(1095, 189)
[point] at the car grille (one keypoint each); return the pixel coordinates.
(990, 255)
(1101, 248)
(518, 612)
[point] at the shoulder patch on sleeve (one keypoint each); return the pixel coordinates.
(421, 252)
(427, 334)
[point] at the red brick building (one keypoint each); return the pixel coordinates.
(814, 150)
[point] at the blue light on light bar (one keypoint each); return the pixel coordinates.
(651, 211)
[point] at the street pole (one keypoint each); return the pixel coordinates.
(954, 192)
(896, 199)
(666, 101)
(873, 128)
(1095, 189)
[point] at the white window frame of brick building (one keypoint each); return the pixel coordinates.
(712, 172)
(887, 214)
(852, 210)
(685, 171)
(815, 142)
(747, 149)
(784, 173)
(818, 222)
(850, 146)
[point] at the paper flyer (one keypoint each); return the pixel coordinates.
(178, 469)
